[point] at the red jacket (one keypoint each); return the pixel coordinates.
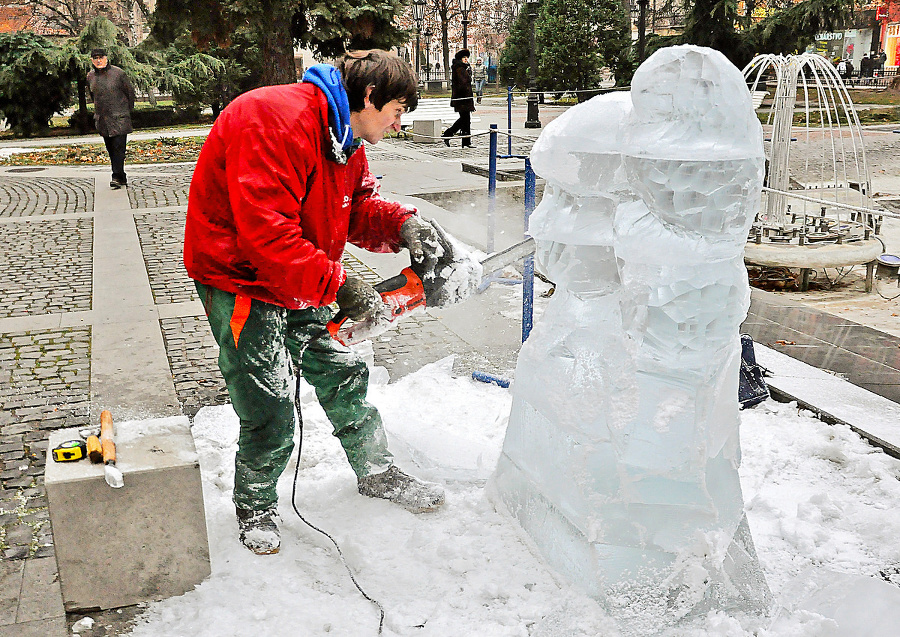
(268, 215)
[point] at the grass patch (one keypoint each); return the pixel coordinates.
(148, 151)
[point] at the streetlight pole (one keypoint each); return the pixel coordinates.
(465, 6)
(418, 15)
(532, 120)
(428, 35)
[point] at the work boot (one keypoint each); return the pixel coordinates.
(409, 492)
(259, 531)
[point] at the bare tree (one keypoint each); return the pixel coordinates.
(70, 17)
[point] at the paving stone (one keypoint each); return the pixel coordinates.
(16, 553)
(159, 191)
(19, 535)
(28, 196)
(31, 279)
(44, 550)
(162, 239)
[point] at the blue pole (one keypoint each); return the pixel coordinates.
(509, 100)
(492, 187)
(528, 273)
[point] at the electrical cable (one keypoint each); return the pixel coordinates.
(312, 526)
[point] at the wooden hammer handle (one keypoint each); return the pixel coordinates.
(106, 437)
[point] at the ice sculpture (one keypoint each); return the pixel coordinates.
(622, 451)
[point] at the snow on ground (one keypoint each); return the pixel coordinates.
(820, 502)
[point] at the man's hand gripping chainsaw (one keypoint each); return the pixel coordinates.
(452, 279)
(421, 284)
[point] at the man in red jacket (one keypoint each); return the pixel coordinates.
(281, 185)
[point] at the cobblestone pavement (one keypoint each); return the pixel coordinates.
(26, 196)
(44, 385)
(374, 155)
(45, 266)
(193, 355)
(159, 191)
(162, 237)
(155, 169)
(456, 151)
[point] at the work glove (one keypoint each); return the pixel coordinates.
(358, 300)
(423, 242)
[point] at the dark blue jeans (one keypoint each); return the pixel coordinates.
(115, 146)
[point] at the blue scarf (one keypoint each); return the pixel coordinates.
(328, 78)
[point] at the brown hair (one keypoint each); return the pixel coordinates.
(390, 77)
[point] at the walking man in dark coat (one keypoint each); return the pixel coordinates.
(461, 98)
(113, 100)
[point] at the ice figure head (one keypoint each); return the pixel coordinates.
(691, 102)
(580, 157)
(694, 150)
(579, 150)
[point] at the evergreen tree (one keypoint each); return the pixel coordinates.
(327, 27)
(513, 65)
(35, 80)
(713, 23)
(575, 39)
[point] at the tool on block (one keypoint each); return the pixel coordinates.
(70, 451)
(111, 472)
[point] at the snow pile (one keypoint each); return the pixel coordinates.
(817, 498)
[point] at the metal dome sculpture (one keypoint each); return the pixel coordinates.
(816, 211)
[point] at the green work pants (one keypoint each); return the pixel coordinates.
(259, 346)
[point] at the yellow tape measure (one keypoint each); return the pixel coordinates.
(70, 451)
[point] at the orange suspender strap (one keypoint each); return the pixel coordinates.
(239, 316)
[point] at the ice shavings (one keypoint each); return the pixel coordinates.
(457, 274)
(469, 570)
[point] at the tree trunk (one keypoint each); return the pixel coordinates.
(277, 48)
(445, 45)
(83, 120)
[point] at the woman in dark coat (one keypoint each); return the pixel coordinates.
(461, 98)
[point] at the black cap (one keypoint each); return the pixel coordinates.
(462, 54)
(98, 53)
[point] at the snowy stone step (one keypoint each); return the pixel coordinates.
(873, 417)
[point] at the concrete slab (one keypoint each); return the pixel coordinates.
(55, 627)
(10, 589)
(147, 540)
(130, 372)
(40, 598)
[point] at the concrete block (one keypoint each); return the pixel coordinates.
(426, 131)
(145, 541)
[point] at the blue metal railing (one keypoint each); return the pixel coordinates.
(530, 196)
(528, 273)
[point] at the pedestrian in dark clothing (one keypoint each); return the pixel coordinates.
(865, 66)
(113, 98)
(461, 98)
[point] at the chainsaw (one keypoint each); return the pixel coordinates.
(419, 286)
